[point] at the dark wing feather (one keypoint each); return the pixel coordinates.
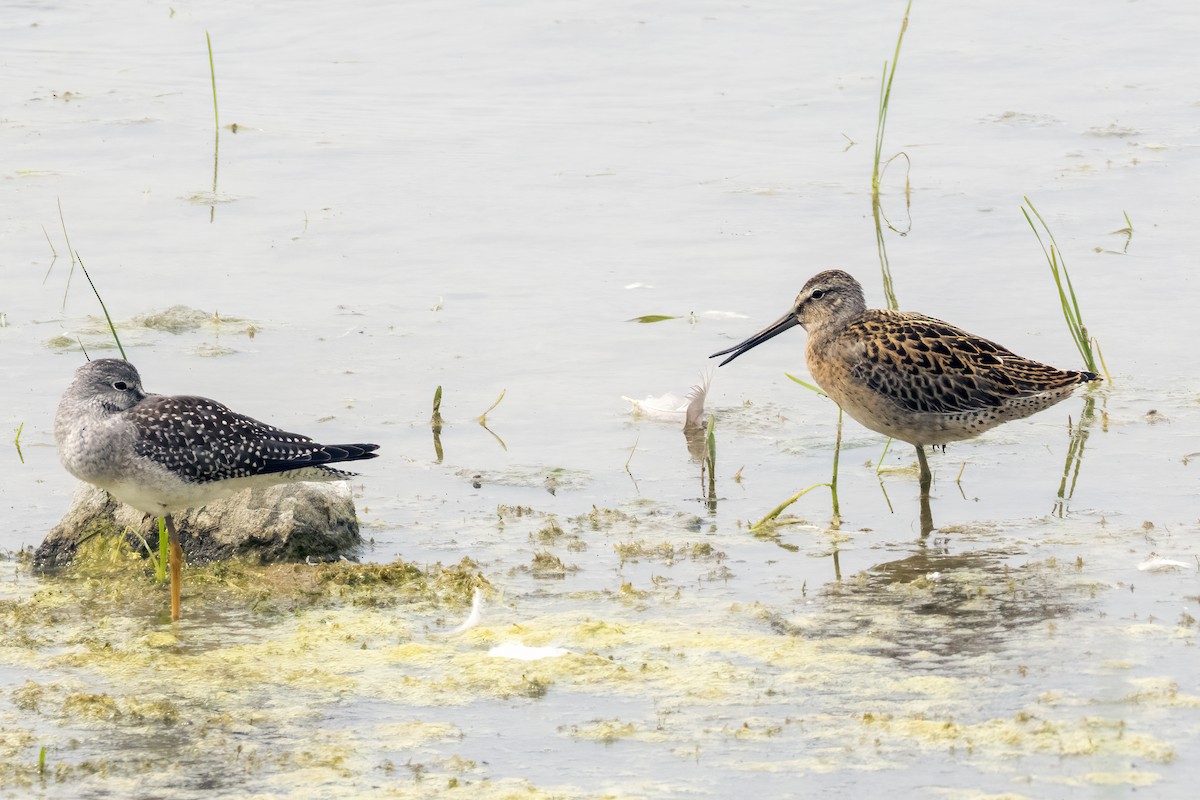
(929, 366)
(202, 440)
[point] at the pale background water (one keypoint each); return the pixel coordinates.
(481, 195)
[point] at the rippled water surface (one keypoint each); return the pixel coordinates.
(481, 196)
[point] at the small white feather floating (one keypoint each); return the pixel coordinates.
(1156, 563)
(522, 652)
(687, 411)
(472, 619)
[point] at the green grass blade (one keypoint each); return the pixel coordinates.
(482, 419)
(811, 387)
(1062, 281)
(104, 308)
(885, 95)
(70, 251)
(779, 509)
(212, 72)
(164, 552)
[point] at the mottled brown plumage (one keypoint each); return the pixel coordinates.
(909, 376)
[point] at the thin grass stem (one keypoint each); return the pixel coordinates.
(212, 72)
(104, 308)
(482, 419)
(1100, 355)
(833, 483)
(885, 96)
(779, 509)
(710, 461)
(887, 446)
(53, 254)
(70, 251)
(164, 552)
(811, 387)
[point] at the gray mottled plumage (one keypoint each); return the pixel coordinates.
(909, 376)
(167, 454)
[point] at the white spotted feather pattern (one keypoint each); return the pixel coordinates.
(165, 454)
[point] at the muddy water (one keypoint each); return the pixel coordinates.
(481, 198)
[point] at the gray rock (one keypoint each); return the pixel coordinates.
(290, 522)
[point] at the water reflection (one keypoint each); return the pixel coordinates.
(1074, 460)
(881, 221)
(933, 605)
(435, 423)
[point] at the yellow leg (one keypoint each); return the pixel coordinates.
(176, 567)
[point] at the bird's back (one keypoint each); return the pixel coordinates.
(924, 381)
(203, 441)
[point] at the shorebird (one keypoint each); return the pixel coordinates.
(909, 376)
(167, 454)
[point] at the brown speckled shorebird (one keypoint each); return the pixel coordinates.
(909, 376)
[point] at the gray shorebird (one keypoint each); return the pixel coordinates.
(909, 376)
(164, 455)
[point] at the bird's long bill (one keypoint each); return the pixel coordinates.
(777, 327)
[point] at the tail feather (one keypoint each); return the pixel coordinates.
(321, 457)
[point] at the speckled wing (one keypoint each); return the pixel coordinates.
(928, 366)
(202, 441)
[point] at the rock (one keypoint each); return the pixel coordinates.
(289, 522)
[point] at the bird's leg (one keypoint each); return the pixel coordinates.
(176, 566)
(926, 475)
(926, 515)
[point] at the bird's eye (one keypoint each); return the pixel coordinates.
(818, 294)
(120, 386)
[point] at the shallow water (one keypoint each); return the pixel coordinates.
(481, 197)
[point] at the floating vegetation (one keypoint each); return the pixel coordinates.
(435, 424)
(342, 666)
(17, 442)
(1126, 231)
(482, 419)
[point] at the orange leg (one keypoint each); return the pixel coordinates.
(176, 567)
